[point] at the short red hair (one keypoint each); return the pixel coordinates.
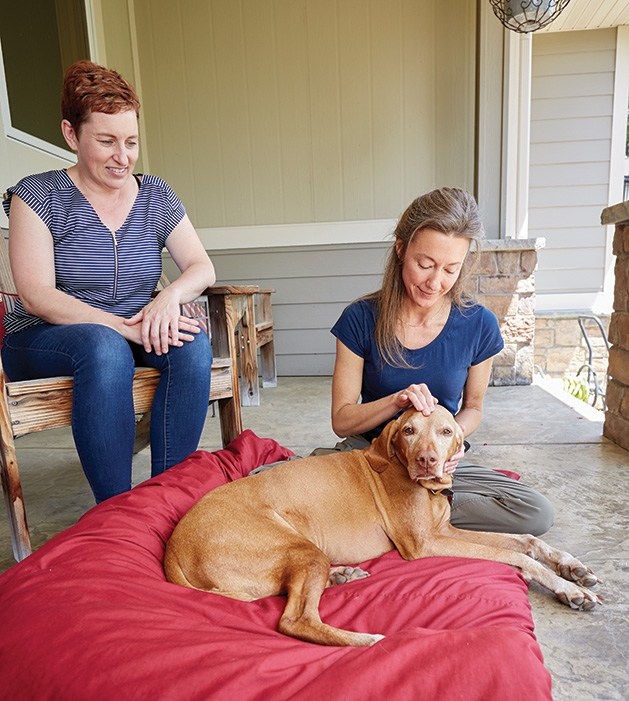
(88, 87)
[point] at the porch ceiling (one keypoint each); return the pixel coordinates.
(591, 14)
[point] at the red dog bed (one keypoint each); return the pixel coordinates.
(91, 616)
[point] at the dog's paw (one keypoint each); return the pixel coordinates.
(576, 571)
(342, 575)
(365, 639)
(579, 598)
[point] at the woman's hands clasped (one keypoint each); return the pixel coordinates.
(420, 398)
(160, 325)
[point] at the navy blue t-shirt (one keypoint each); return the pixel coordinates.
(470, 336)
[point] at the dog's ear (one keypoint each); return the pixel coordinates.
(380, 453)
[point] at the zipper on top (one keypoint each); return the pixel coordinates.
(113, 236)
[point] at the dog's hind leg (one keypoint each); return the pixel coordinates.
(307, 577)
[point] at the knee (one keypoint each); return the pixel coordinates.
(194, 355)
(541, 515)
(202, 346)
(515, 509)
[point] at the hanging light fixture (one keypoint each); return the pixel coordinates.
(525, 16)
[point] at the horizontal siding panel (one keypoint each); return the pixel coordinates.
(571, 107)
(585, 128)
(570, 301)
(276, 263)
(571, 152)
(577, 259)
(577, 174)
(573, 236)
(313, 284)
(304, 342)
(568, 281)
(325, 290)
(306, 316)
(571, 131)
(566, 196)
(562, 217)
(573, 85)
(573, 42)
(305, 365)
(564, 64)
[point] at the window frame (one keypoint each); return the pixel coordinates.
(24, 138)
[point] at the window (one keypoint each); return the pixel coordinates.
(39, 40)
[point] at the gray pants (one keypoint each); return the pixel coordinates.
(483, 499)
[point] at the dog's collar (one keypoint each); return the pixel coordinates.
(446, 492)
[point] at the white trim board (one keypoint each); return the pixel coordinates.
(273, 235)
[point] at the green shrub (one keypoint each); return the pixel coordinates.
(577, 387)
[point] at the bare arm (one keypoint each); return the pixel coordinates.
(197, 270)
(31, 253)
(160, 321)
(349, 416)
(471, 413)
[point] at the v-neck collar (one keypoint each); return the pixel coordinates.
(89, 204)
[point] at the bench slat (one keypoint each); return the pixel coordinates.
(38, 405)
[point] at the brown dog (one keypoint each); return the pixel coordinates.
(278, 532)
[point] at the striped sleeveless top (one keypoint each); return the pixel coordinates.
(112, 271)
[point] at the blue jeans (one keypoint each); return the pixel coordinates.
(103, 421)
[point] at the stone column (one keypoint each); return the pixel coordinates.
(505, 283)
(616, 426)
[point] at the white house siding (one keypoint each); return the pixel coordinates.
(571, 146)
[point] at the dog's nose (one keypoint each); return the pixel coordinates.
(428, 459)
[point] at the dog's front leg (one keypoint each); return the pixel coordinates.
(560, 562)
(568, 592)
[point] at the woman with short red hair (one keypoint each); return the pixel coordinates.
(85, 246)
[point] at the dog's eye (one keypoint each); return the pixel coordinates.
(408, 431)
(447, 431)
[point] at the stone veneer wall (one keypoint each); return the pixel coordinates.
(560, 348)
(616, 426)
(505, 283)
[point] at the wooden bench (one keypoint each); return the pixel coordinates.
(249, 313)
(37, 405)
(265, 341)
(253, 314)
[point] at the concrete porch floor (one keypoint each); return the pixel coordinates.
(556, 449)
